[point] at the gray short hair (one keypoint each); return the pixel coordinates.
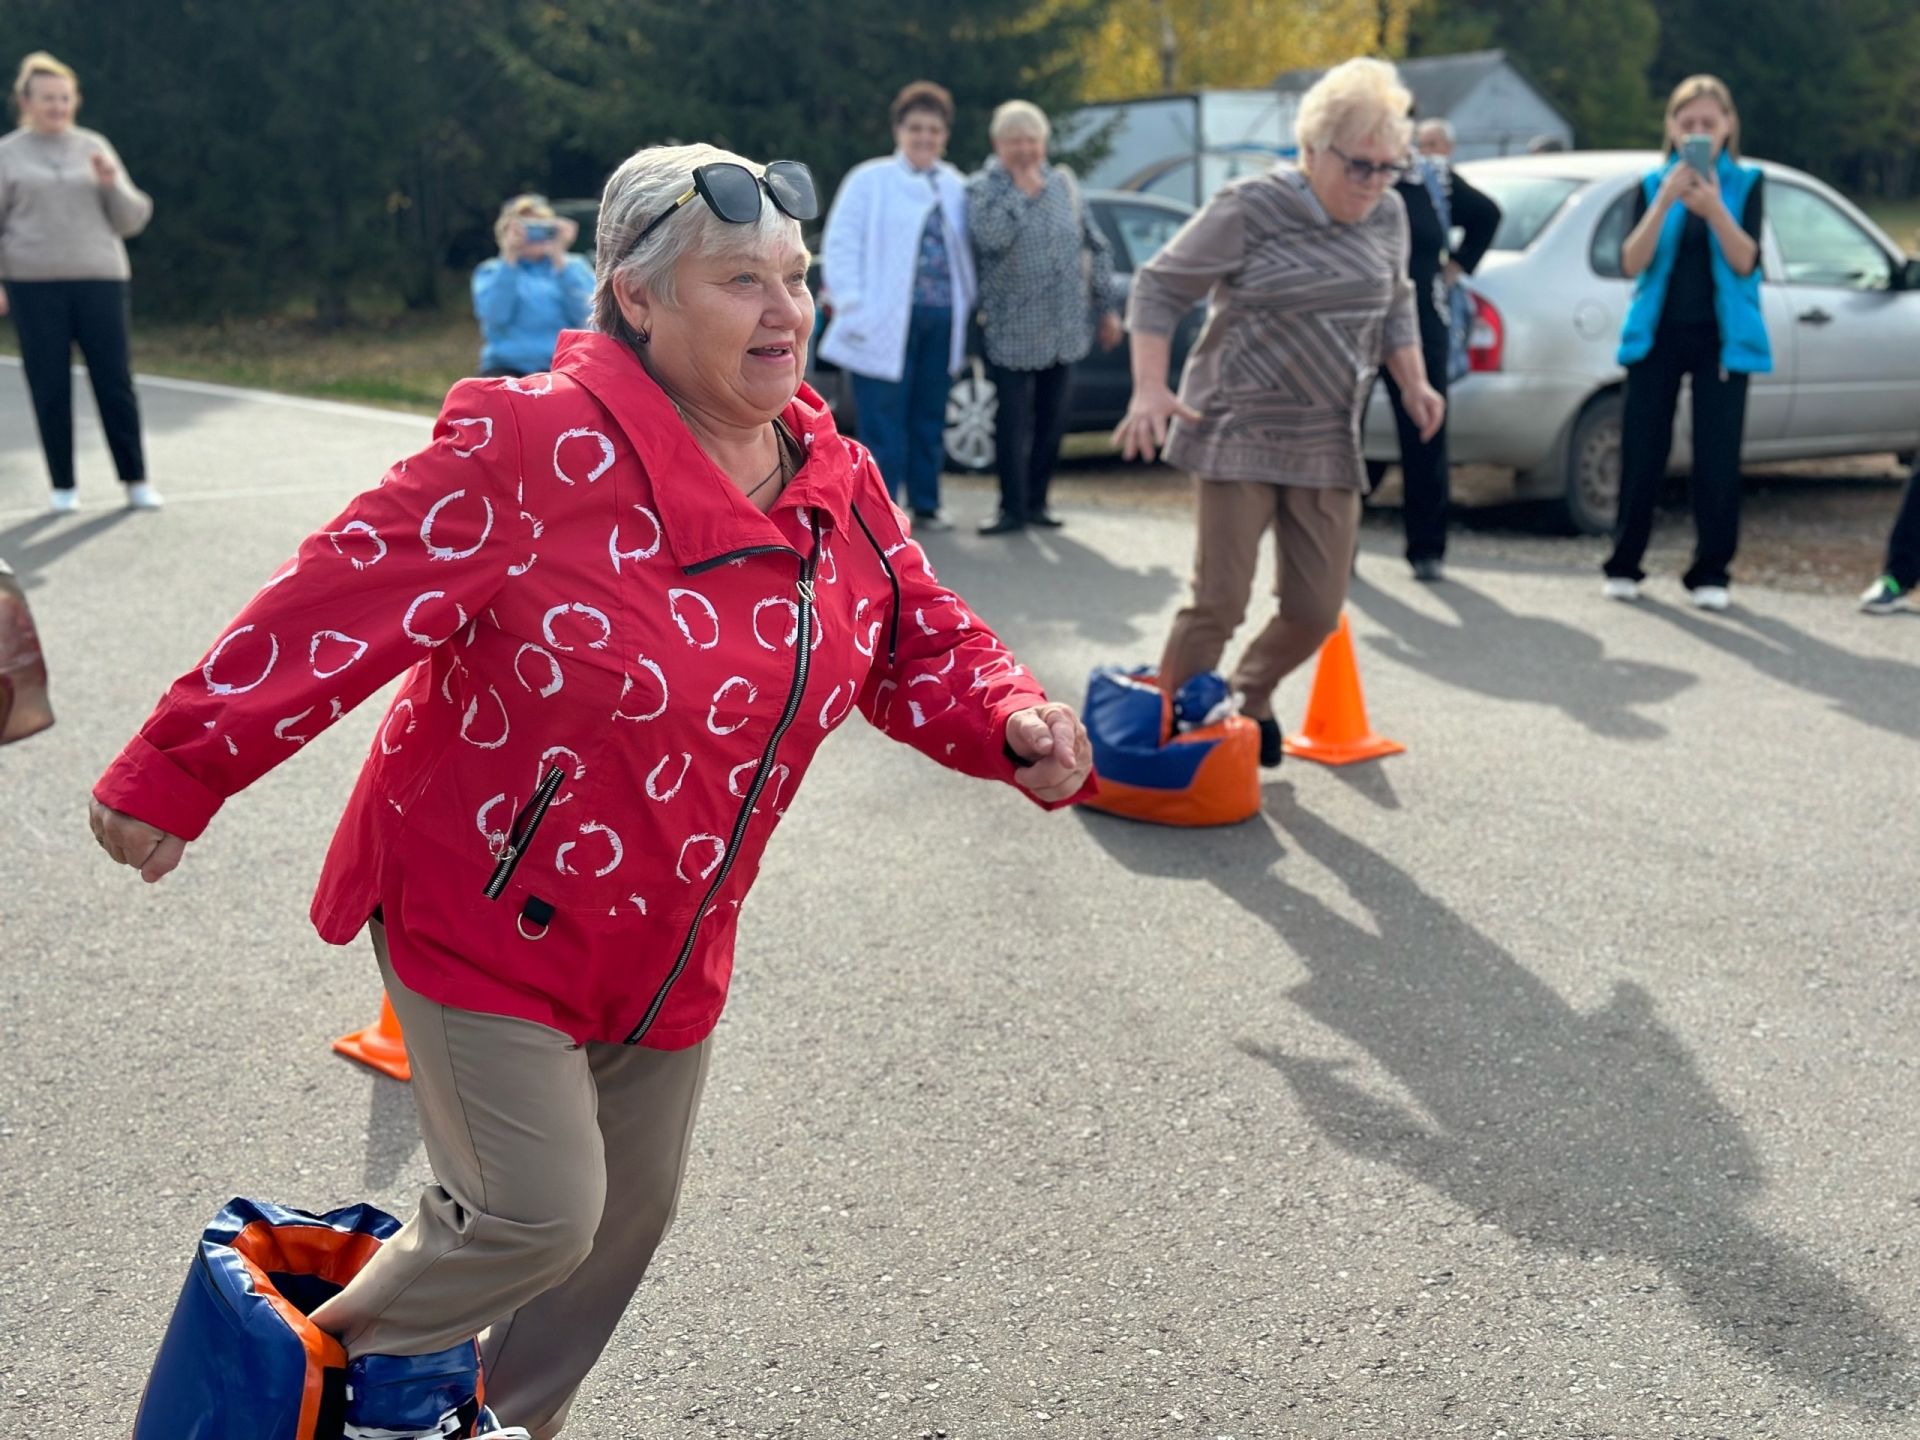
(1438, 127)
(1018, 117)
(1356, 100)
(647, 182)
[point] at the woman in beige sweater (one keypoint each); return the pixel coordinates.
(1305, 269)
(66, 206)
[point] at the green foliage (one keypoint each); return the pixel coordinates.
(806, 79)
(305, 150)
(1589, 57)
(1833, 88)
(297, 149)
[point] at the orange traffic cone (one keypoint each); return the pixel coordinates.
(379, 1045)
(1336, 730)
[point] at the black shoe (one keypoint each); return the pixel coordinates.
(1428, 569)
(930, 520)
(1045, 518)
(1002, 525)
(1270, 752)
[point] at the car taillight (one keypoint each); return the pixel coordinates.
(1487, 338)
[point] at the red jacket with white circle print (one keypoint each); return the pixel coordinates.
(619, 670)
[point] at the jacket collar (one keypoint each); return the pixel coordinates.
(702, 513)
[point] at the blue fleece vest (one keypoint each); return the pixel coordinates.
(1736, 298)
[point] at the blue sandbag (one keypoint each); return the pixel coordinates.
(240, 1359)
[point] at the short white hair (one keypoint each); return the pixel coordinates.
(1355, 100)
(645, 185)
(1443, 129)
(1018, 117)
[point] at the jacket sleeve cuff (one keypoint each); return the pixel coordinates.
(144, 782)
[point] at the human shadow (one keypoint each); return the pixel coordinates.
(1876, 692)
(1583, 1131)
(393, 1131)
(1530, 659)
(1046, 577)
(31, 545)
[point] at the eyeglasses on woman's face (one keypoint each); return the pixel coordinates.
(1366, 172)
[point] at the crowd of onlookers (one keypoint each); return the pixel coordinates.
(915, 254)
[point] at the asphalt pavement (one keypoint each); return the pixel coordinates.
(1554, 1079)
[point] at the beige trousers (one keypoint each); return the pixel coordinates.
(558, 1168)
(1314, 531)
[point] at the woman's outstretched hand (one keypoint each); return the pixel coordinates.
(1054, 741)
(154, 853)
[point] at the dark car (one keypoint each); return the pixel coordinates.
(1136, 226)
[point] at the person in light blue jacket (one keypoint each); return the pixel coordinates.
(1694, 251)
(533, 291)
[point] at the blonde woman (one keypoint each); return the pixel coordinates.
(1307, 271)
(66, 207)
(534, 289)
(1695, 250)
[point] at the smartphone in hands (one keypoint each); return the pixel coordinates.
(1697, 151)
(539, 232)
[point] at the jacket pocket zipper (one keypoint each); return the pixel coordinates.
(802, 646)
(520, 834)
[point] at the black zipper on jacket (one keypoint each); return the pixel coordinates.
(733, 555)
(802, 657)
(520, 833)
(893, 624)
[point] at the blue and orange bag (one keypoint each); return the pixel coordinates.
(240, 1359)
(1209, 775)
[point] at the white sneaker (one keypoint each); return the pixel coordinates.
(64, 502)
(1618, 587)
(142, 496)
(1709, 597)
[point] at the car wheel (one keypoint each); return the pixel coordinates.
(973, 407)
(1592, 467)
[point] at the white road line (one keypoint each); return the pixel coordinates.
(268, 397)
(177, 498)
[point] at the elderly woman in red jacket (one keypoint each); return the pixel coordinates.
(632, 596)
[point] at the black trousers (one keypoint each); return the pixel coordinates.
(1719, 415)
(1423, 468)
(51, 317)
(1903, 545)
(1028, 428)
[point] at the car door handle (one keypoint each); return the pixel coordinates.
(1815, 316)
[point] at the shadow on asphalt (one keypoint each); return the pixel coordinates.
(1046, 577)
(393, 1131)
(31, 545)
(1585, 1132)
(1871, 690)
(1493, 651)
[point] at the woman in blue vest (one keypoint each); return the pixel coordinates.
(1695, 246)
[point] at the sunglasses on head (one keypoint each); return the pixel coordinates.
(1362, 172)
(733, 193)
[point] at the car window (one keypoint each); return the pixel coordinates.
(1527, 203)
(1821, 244)
(1610, 236)
(1143, 231)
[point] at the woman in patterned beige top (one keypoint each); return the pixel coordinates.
(1305, 270)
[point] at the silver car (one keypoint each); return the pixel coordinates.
(1544, 396)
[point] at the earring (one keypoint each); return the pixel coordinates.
(643, 336)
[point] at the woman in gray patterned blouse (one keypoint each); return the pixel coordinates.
(1045, 272)
(1306, 270)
